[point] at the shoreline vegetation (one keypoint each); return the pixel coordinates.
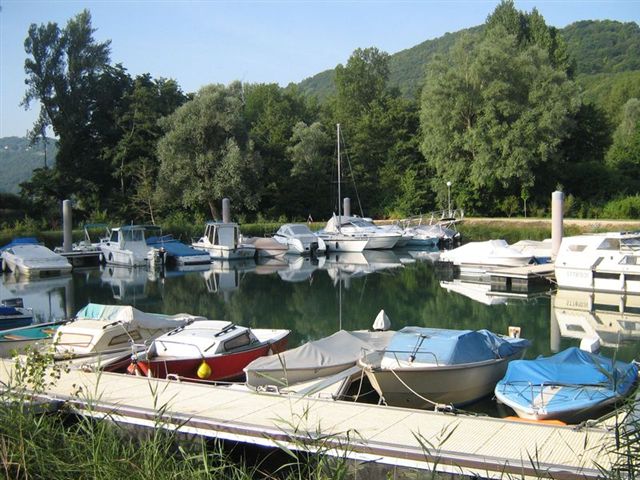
(511, 229)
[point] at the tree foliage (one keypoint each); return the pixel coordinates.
(206, 154)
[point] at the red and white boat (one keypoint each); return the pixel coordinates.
(207, 350)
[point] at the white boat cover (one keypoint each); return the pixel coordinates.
(130, 315)
(341, 348)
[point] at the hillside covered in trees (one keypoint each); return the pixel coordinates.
(19, 158)
(507, 111)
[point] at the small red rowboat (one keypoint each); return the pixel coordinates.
(207, 350)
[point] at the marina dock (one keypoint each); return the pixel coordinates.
(521, 279)
(392, 438)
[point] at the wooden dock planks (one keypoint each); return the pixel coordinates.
(460, 444)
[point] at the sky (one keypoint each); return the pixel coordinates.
(198, 42)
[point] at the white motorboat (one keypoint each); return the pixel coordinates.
(222, 242)
(486, 255)
(300, 239)
(426, 367)
(353, 226)
(266, 246)
(127, 246)
(26, 256)
(424, 236)
(103, 333)
(608, 262)
(539, 249)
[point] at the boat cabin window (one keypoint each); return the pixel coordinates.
(575, 328)
(361, 223)
(74, 339)
(114, 236)
(610, 244)
(133, 235)
(124, 338)
(629, 260)
(577, 248)
(239, 341)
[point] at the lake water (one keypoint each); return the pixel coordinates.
(315, 298)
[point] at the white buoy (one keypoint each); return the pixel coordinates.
(226, 210)
(557, 213)
(382, 322)
(67, 226)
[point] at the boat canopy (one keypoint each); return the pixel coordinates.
(569, 367)
(128, 315)
(451, 347)
(338, 349)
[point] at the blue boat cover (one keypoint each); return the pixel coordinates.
(569, 367)
(9, 311)
(173, 247)
(21, 241)
(451, 347)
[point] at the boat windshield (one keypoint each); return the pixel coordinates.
(610, 244)
(136, 235)
(299, 230)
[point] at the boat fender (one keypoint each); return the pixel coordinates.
(138, 369)
(204, 371)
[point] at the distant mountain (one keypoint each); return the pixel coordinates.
(18, 159)
(598, 46)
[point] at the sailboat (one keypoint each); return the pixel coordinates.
(335, 239)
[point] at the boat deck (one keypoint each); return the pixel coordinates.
(397, 437)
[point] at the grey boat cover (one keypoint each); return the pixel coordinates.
(341, 348)
(129, 315)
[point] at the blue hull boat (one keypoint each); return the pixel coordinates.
(570, 386)
(177, 252)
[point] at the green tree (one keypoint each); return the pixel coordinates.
(63, 71)
(311, 157)
(206, 154)
(492, 114)
(624, 154)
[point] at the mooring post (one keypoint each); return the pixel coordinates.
(226, 210)
(346, 206)
(67, 226)
(557, 207)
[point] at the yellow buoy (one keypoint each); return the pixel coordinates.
(204, 370)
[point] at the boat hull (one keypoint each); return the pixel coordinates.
(456, 384)
(345, 244)
(220, 252)
(627, 281)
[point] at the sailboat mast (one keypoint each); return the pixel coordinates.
(339, 181)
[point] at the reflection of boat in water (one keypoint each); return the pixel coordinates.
(480, 292)
(126, 283)
(612, 318)
(22, 286)
(225, 275)
(340, 265)
(300, 268)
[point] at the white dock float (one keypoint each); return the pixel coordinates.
(482, 446)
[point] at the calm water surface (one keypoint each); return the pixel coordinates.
(315, 298)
